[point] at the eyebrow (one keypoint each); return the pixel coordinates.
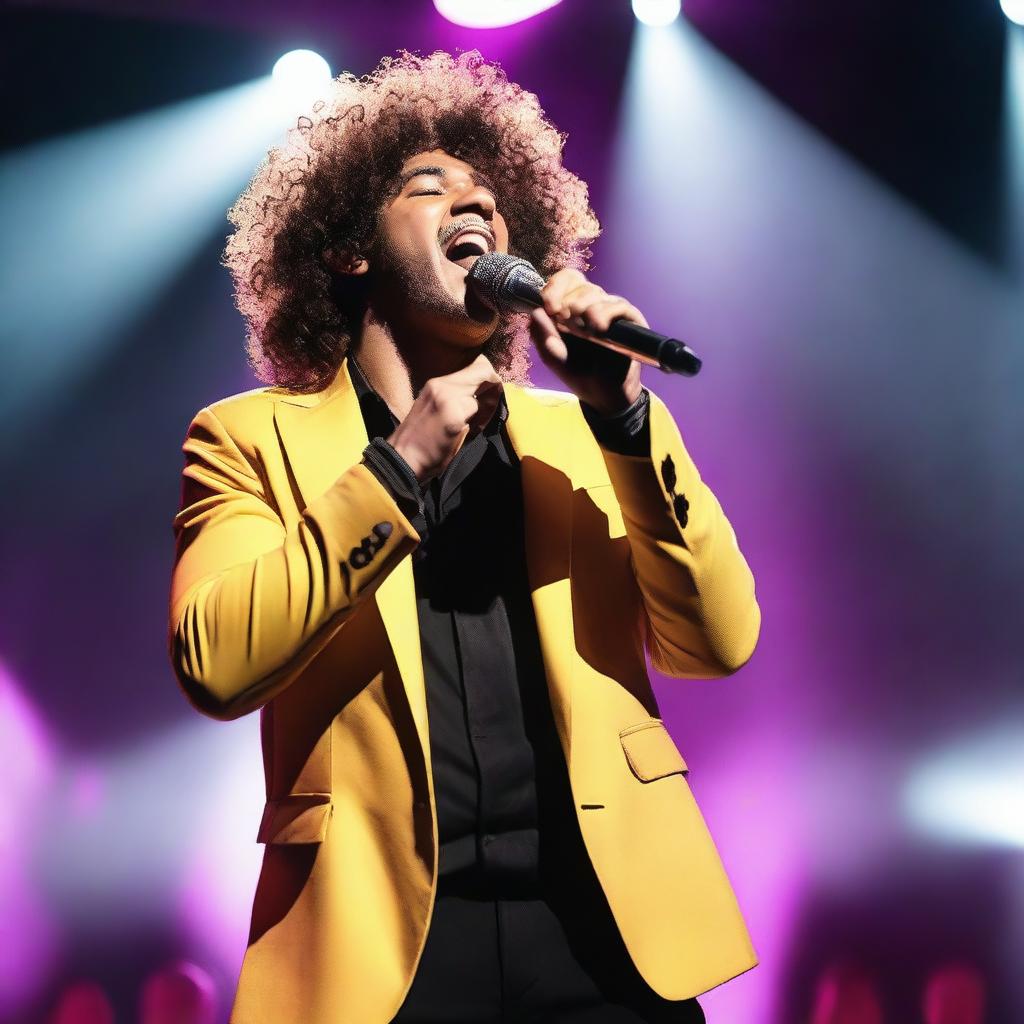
(439, 172)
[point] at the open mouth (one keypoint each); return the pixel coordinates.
(469, 244)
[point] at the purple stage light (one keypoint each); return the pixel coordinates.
(497, 14)
(180, 993)
(83, 1002)
(28, 931)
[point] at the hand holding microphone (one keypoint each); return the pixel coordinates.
(602, 370)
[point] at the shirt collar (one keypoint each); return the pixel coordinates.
(379, 418)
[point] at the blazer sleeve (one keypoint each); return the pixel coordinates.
(251, 601)
(702, 617)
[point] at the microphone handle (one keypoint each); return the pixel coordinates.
(668, 354)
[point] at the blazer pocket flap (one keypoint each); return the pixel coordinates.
(299, 818)
(651, 751)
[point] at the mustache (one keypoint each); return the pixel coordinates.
(449, 231)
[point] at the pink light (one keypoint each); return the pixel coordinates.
(84, 1002)
(88, 788)
(846, 994)
(28, 931)
(180, 993)
(761, 833)
(955, 994)
(214, 893)
(496, 14)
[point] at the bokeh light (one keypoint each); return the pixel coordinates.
(1014, 10)
(299, 78)
(301, 69)
(973, 791)
(656, 13)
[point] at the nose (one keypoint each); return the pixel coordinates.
(475, 200)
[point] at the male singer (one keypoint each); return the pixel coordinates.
(438, 584)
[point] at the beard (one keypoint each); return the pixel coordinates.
(424, 291)
(415, 279)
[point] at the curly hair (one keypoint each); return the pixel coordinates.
(324, 187)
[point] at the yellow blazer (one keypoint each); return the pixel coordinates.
(284, 598)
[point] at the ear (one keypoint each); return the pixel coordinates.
(341, 261)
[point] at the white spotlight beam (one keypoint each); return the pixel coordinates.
(96, 222)
(973, 792)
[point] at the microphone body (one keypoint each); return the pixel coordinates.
(508, 284)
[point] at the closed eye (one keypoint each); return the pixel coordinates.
(427, 192)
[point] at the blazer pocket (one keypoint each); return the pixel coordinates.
(651, 751)
(297, 818)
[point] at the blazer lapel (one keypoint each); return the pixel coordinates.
(544, 437)
(321, 442)
(323, 435)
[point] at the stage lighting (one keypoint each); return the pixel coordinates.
(496, 14)
(1014, 10)
(180, 166)
(658, 12)
(301, 70)
(973, 791)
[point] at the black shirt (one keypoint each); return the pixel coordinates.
(506, 820)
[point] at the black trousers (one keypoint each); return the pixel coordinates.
(551, 959)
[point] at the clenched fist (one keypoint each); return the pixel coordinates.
(446, 412)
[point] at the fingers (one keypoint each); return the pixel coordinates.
(597, 316)
(557, 287)
(479, 371)
(487, 399)
(469, 396)
(577, 304)
(550, 346)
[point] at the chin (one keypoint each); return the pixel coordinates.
(473, 333)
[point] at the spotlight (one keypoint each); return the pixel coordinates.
(658, 13)
(972, 792)
(1014, 10)
(496, 14)
(301, 70)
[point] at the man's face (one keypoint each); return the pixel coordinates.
(442, 219)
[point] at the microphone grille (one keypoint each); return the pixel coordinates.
(488, 277)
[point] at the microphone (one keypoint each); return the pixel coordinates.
(508, 284)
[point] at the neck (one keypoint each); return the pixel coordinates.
(398, 363)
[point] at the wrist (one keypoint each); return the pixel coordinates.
(613, 405)
(397, 476)
(616, 401)
(626, 432)
(409, 457)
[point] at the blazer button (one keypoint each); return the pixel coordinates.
(681, 507)
(668, 473)
(360, 557)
